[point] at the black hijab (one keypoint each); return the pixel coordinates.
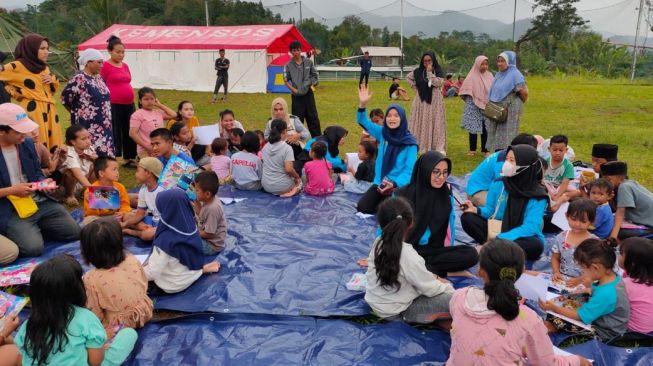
(523, 186)
(332, 136)
(425, 92)
(432, 206)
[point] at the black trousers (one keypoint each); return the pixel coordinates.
(303, 106)
(476, 227)
(448, 259)
(223, 80)
(370, 200)
(365, 76)
(550, 227)
(473, 139)
(120, 115)
(630, 233)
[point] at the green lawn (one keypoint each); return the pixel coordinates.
(587, 111)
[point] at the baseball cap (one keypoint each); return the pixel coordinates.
(152, 165)
(14, 116)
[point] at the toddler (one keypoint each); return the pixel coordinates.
(637, 263)
(376, 116)
(106, 171)
(318, 172)
(146, 119)
(220, 161)
(361, 180)
(246, 166)
(116, 288)
(601, 192)
(142, 223)
(212, 223)
(235, 139)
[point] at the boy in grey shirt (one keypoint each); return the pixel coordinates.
(300, 76)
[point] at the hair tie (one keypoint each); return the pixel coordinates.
(508, 273)
(399, 217)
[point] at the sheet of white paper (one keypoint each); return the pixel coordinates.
(353, 160)
(362, 215)
(560, 217)
(142, 257)
(562, 352)
(532, 287)
(204, 135)
(230, 200)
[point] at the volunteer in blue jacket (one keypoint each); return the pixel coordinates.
(333, 137)
(396, 155)
(489, 170)
(433, 235)
(366, 67)
(519, 200)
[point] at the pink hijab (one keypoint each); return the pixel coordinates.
(477, 84)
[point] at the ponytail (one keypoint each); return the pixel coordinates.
(395, 216)
(276, 129)
(503, 261)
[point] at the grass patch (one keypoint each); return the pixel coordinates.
(588, 111)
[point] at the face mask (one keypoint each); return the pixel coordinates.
(508, 169)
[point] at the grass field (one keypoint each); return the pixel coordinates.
(587, 111)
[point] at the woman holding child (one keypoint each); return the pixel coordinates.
(396, 155)
(515, 205)
(509, 91)
(296, 135)
(434, 229)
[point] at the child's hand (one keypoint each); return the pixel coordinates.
(546, 305)
(469, 207)
(584, 361)
(443, 280)
(363, 263)
(557, 276)
(11, 324)
(573, 282)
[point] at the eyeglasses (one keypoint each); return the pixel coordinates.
(440, 173)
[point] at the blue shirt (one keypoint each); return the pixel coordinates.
(403, 169)
(607, 309)
(604, 221)
(485, 173)
(336, 161)
(366, 65)
(533, 215)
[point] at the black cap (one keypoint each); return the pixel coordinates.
(614, 168)
(605, 151)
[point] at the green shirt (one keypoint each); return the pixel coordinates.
(563, 171)
(84, 331)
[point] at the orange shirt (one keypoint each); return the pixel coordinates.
(193, 122)
(124, 202)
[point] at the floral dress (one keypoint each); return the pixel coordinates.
(88, 100)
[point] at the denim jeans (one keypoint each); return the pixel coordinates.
(50, 222)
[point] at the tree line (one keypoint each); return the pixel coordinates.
(558, 41)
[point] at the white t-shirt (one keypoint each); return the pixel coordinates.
(168, 273)
(13, 168)
(74, 161)
(147, 200)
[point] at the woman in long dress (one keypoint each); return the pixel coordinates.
(509, 89)
(427, 120)
(30, 82)
(474, 92)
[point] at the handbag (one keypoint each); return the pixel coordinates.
(24, 206)
(496, 111)
(494, 225)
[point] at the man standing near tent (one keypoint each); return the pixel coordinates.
(300, 76)
(222, 66)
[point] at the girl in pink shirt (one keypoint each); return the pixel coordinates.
(146, 119)
(318, 172)
(637, 261)
(490, 327)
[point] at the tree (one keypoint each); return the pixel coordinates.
(385, 37)
(317, 34)
(349, 35)
(558, 19)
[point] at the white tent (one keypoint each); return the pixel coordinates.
(182, 57)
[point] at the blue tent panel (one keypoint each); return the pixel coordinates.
(275, 80)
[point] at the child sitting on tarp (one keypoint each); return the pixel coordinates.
(360, 181)
(142, 223)
(208, 209)
(177, 260)
(635, 260)
(106, 171)
(634, 216)
(559, 172)
(601, 192)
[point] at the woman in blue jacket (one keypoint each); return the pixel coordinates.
(396, 155)
(433, 235)
(519, 200)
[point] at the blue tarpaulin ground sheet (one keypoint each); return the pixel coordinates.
(287, 260)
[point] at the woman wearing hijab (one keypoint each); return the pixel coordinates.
(88, 100)
(508, 89)
(434, 232)
(177, 259)
(519, 200)
(427, 119)
(474, 92)
(333, 137)
(396, 155)
(297, 134)
(30, 82)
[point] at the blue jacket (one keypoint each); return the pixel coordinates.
(336, 161)
(485, 173)
(403, 169)
(30, 166)
(366, 65)
(533, 217)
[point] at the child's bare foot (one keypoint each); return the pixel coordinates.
(362, 262)
(293, 191)
(211, 267)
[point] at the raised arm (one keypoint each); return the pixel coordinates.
(364, 96)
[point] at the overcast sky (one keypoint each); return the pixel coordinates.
(611, 16)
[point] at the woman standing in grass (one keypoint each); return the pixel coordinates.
(474, 92)
(509, 90)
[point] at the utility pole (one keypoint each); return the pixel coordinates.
(206, 11)
(301, 20)
(639, 20)
(401, 41)
(514, 20)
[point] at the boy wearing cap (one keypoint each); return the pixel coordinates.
(19, 168)
(143, 222)
(634, 202)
